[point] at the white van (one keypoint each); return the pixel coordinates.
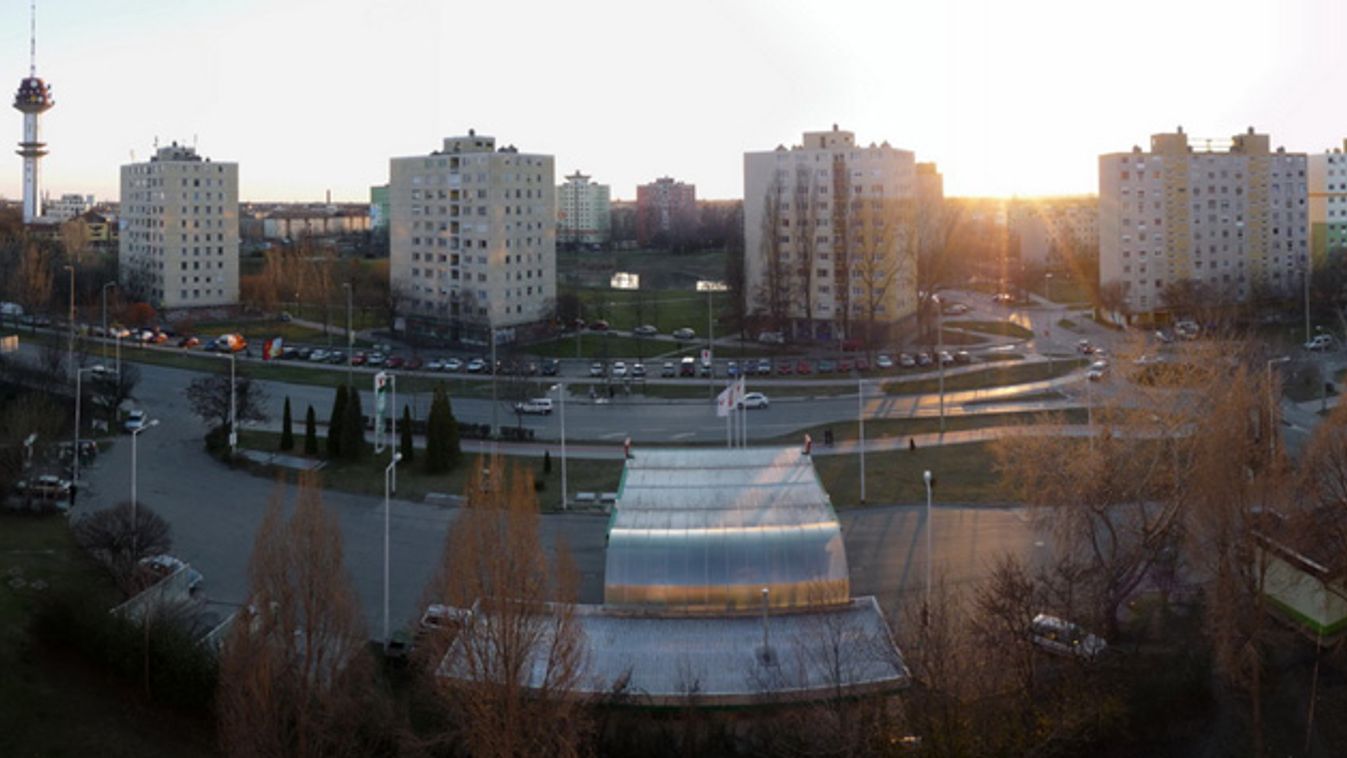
(539, 405)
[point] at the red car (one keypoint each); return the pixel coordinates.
(784, 367)
(598, 326)
(358, 359)
(845, 365)
(395, 362)
(862, 364)
(804, 367)
(413, 363)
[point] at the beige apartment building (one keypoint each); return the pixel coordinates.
(179, 229)
(472, 239)
(1052, 231)
(1328, 202)
(1231, 214)
(830, 237)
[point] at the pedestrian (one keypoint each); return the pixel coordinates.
(912, 444)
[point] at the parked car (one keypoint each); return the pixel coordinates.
(862, 363)
(772, 338)
(395, 361)
(164, 566)
(476, 366)
(684, 334)
(963, 356)
(828, 365)
(905, 360)
(436, 364)
(45, 486)
(538, 405)
(753, 400)
(638, 369)
(596, 369)
(732, 369)
(687, 366)
(884, 361)
(1320, 342)
(955, 309)
(668, 370)
(598, 325)
(135, 420)
(645, 330)
(551, 366)
(619, 369)
(924, 359)
(358, 359)
(1062, 637)
(453, 364)
(188, 342)
(785, 368)
(413, 363)
(376, 359)
(764, 367)
(336, 357)
(804, 367)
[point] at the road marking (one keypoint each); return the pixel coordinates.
(612, 435)
(683, 435)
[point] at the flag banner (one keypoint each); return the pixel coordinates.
(271, 349)
(729, 398)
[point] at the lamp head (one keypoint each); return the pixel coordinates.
(926, 476)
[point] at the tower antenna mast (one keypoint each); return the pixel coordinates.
(32, 38)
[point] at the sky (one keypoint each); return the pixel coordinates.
(1008, 98)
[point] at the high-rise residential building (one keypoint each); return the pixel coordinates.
(1053, 231)
(666, 212)
(32, 99)
(378, 208)
(1328, 202)
(1229, 214)
(582, 212)
(830, 237)
(179, 223)
(472, 239)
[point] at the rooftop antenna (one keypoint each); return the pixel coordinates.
(32, 39)
(193, 140)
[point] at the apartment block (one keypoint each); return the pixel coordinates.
(1328, 202)
(830, 237)
(1052, 231)
(583, 216)
(472, 239)
(179, 229)
(1231, 214)
(666, 212)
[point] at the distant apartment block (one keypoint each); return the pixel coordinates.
(1052, 231)
(179, 245)
(830, 237)
(1328, 202)
(378, 208)
(67, 206)
(666, 211)
(583, 216)
(1231, 214)
(472, 239)
(292, 221)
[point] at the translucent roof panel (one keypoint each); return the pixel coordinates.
(709, 529)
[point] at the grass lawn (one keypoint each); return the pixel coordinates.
(964, 474)
(956, 339)
(1000, 357)
(367, 477)
(361, 318)
(289, 331)
(666, 309)
(51, 702)
(1066, 323)
(993, 377)
(876, 429)
(1002, 328)
(598, 345)
(1065, 289)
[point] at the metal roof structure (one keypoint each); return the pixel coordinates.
(706, 530)
(656, 659)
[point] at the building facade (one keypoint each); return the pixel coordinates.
(1229, 214)
(830, 237)
(666, 212)
(583, 216)
(472, 239)
(1328, 202)
(179, 229)
(68, 206)
(1053, 231)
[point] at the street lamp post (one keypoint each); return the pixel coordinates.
(135, 433)
(560, 388)
(75, 477)
(926, 604)
(105, 318)
(350, 339)
(1272, 405)
(940, 354)
(860, 423)
(388, 474)
(1047, 285)
(1305, 275)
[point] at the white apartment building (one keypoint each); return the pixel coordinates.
(1328, 202)
(830, 237)
(1231, 214)
(583, 214)
(67, 207)
(179, 228)
(472, 238)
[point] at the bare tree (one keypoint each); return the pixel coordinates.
(776, 282)
(295, 679)
(510, 673)
(884, 245)
(209, 397)
(119, 537)
(33, 281)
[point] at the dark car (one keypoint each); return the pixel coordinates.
(358, 359)
(336, 357)
(598, 326)
(844, 365)
(551, 366)
(804, 367)
(827, 366)
(862, 364)
(413, 363)
(785, 367)
(395, 361)
(963, 356)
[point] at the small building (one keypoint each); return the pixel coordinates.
(1306, 570)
